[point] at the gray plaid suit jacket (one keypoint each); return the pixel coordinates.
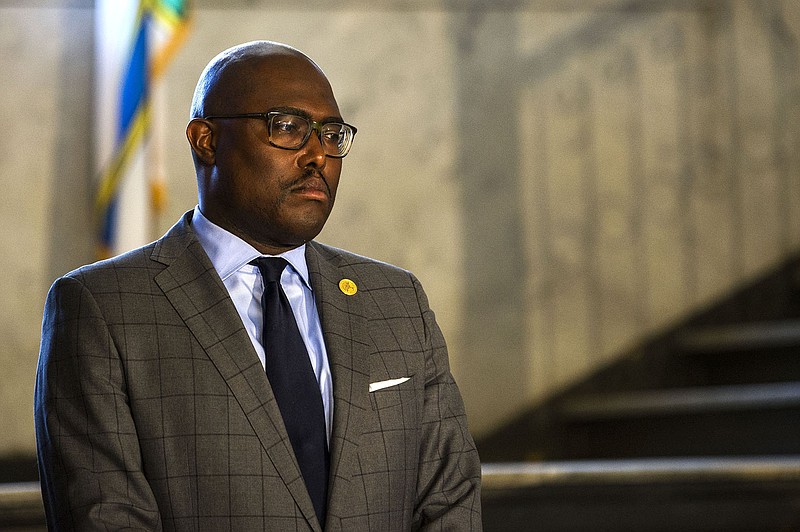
(153, 411)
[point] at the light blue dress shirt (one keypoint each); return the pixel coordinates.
(231, 257)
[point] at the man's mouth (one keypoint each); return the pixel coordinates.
(312, 187)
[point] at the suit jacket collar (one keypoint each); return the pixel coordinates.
(197, 293)
(347, 341)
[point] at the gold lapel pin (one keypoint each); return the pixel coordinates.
(348, 287)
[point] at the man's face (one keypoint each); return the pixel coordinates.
(273, 198)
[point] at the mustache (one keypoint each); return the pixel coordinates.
(308, 175)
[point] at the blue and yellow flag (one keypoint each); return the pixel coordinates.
(136, 39)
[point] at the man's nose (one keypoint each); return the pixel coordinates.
(314, 151)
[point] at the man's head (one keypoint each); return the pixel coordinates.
(275, 198)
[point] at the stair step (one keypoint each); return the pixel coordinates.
(677, 401)
(740, 337)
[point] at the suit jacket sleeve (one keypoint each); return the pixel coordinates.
(448, 491)
(89, 456)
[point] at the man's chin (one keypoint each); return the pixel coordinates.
(304, 229)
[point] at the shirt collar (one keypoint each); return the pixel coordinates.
(229, 253)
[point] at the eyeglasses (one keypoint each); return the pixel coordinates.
(291, 132)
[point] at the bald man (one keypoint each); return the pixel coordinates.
(238, 375)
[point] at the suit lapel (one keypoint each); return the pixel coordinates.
(347, 343)
(197, 293)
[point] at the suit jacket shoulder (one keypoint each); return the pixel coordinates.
(359, 263)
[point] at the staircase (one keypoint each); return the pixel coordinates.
(699, 429)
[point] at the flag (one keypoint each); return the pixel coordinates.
(135, 41)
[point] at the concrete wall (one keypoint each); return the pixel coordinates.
(564, 177)
(45, 53)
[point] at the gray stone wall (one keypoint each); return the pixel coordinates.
(45, 53)
(564, 177)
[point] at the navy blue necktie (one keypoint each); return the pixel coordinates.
(295, 386)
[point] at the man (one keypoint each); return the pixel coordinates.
(161, 398)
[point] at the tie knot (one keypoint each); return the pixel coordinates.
(270, 267)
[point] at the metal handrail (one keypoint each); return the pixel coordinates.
(505, 476)
(21, 505)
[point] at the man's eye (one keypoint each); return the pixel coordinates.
(284, 126)
(333, 136)
(333, 133)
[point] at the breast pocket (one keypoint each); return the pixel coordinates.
(389, 393)
(389, 450)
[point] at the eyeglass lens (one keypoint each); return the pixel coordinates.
(291, 132)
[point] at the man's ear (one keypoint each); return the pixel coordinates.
(202, 139)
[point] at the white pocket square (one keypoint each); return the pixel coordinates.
(380, 385)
